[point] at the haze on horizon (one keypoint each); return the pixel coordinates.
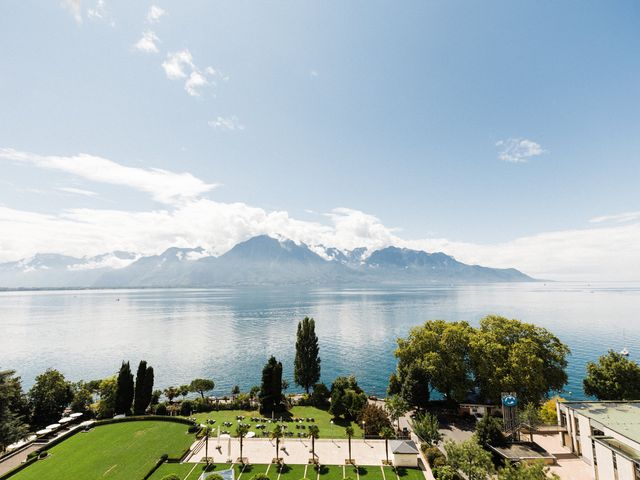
(502, 133)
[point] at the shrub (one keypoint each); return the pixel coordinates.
(375, 419)
(446, 472)
(260, 476)
(439, 462)
(161, 409)
(194, 428)
(489, 432)
(164, 457)
(214, 476)
(432, 453)
(43, 454)
(186, 408)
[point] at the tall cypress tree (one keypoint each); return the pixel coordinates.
(124, 390)
(306, 367)
(271, 388)
(144, 388)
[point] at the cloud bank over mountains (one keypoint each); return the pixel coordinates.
(609, 249)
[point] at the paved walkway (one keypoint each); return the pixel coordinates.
(295, 451)
(569, 467)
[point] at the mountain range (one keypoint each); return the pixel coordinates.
(261, 260)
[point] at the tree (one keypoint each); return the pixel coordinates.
(202, 385)
(320, 395)
(397, 406)
(470, 458)
(277, 434)
(387, 433)
(235, 390)
(508, 355)
(82, 397)
(314, 432)
(347, 398)
(415, 387)
(374, 417)
(395, 386)
(125, 390)
(241, 430)
(144, 388)
(614, 377)
(489, 432)
(49, 396)
(530, 415)
(107, 391)
(548, 413)
(171, 393)
(441, 348)
(184, 391)
(271, 388)
(349, 432)
(426, 426)
(306, 366)
(525, 471)
(13, 410)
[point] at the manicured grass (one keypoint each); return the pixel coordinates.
(119, 451)
(366, 473)
(290, 472)
(409, 473)
(322, 419)
(186, 471)
(330, 472)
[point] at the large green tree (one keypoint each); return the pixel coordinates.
(415, 387)
(125, 390)
(508, 355)
(441, 349)
(526, 471)
(107, 390)
(347, 398)
(143, 389)
(470, 458)
(427, 427)
(614, 377)
(13, 410)
(306, 366)
(271, 387)
(201, 385)
(49, 396)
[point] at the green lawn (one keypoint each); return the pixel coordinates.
(289, 472)
(366, 473)
(409, 473)
(186, 471)
(322, 420)
(330, 472)
(119, 451)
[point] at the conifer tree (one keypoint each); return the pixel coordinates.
(307, 362)
(124, 390)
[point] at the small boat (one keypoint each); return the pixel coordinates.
(624, 352)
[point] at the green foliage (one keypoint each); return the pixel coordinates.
(260, 476)
(306, 366)
(614, 377)
(347, 398)
(524, 471)
(489, 432)
(13, 406)
(470, 458)
(446, 472)
(395, 386)
(107, 403)
(508, 355)
(49, 396)
(214, 476)
(548, 413)
(161, 409)
(415, 387)
(143, 389)
(320, 396)
(82, 397)
(172, 476)
(271, 388)
(425, 426)
(171, 393)
(124, 390)
(186, 408)
(441, 348)
(530, 414)
(502, 355)
(375, 419)
(201, 385)
(397, 406)
(235, 390)
(432, 452)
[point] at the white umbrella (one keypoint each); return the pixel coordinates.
(76, 415)
(251, 434)
(53, 426)
(43, 431)
(225, 435)
(65, 420)
(86, 423)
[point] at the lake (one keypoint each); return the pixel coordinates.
(227, 334)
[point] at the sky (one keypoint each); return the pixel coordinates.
(502, 133)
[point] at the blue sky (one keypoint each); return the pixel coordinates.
(504, 133)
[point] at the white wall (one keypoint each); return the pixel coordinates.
(625, 468)
(605, 463)
(405, 460)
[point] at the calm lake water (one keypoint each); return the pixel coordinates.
(227, 334)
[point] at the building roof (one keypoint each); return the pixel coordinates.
(404, 447)
(621, 417)
(619, 447)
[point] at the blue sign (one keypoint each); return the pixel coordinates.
(509, 401)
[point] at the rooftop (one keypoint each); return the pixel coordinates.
(403, 447)
(621, 417)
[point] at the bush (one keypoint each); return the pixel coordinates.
(432, 453)
(194, 429)
(489, 432)
(375, 419)
(260, 476)
(186, 408)
(161, 409)
(43, 454)
(214, 476)
(164, 457)
(446, 472)
(439, 462)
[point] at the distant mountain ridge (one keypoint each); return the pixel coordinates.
(261, 260)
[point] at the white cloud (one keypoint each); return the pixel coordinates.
(617, 218)
(147, 42)
(313, 73)
(77, 191)
(189, 220)
(163, 186)
(155, 14)
(180, 65)
(231, 123)
(518, 150)
(75, 8)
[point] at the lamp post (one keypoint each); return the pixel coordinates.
(364, 430)
(331, 428)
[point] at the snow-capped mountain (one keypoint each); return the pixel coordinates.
(261, 260)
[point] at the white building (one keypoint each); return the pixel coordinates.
(405, 453)
(606, 435)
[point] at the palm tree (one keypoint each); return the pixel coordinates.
(387, 433)
(241, 430)
(314, 432)
(349, 432)
(207, 429)
(276, 434)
